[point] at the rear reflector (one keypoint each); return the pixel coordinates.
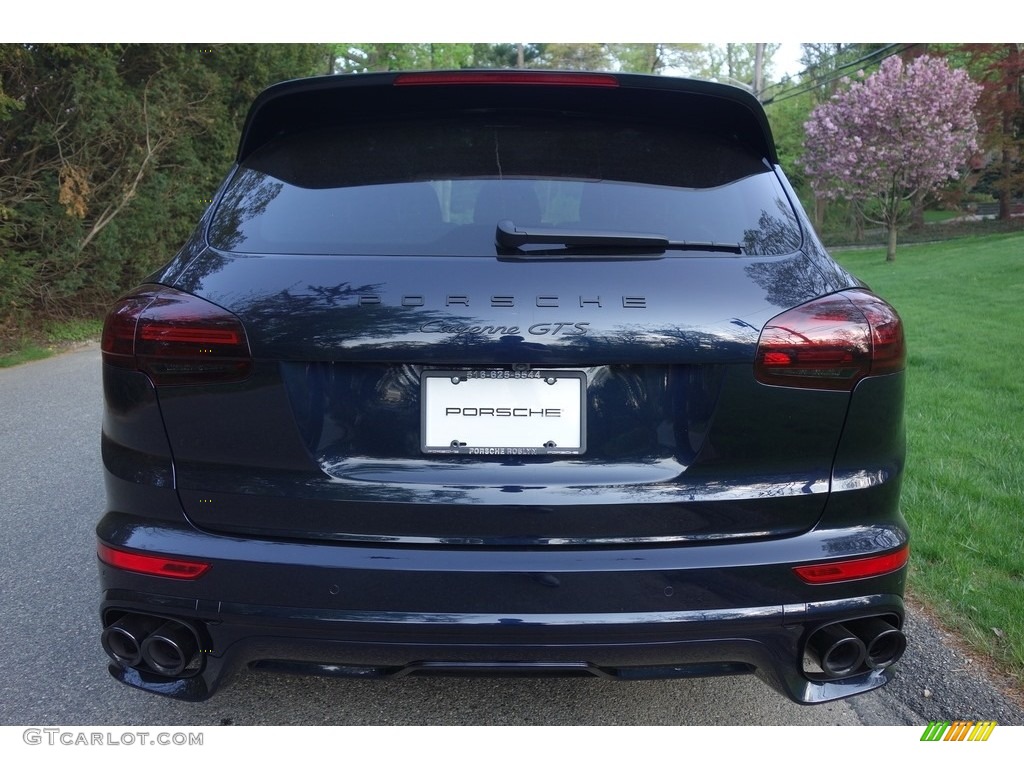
(849, 570)
(151, 565)
(508, 77)
(175, 338)
(831, 343)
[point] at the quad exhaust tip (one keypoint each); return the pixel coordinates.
(848, 648)
(884, 644)
(170, 649)
(123, 639)
(152, 644)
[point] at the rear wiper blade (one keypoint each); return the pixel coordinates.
(508, 235)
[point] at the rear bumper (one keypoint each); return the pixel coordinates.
(625, 613)
(679, 645)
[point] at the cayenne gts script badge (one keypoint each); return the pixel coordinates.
(537, 329)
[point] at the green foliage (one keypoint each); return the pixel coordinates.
(109, 154)
(787, 118)
(1000, 70)
(656, 58)
(7, 104)
(827, 63)
(700, 60)
(391, 57)
(38, 343)
(734, 62)
(507, 55)
(589, 56)
(73, 331)
(24, 354)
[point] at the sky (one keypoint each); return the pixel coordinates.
(474, 21)
(786, 61)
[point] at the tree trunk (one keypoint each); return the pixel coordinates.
(890, 251)
(857, 219)
(758, 84)
(917, 212)
(1006, 185)
(652, 59)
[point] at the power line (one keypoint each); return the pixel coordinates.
(838, 53)
(840, 72)
(830, 75)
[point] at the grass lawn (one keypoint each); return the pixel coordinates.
(40, 343)
(962, 303)
(933, 216)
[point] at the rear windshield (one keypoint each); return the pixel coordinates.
(440, 186)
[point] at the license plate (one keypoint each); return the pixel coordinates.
(503, 413)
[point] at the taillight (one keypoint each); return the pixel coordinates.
(831, 343)
(151, 565)
(507, 77)
(849, 570)
(175, 338)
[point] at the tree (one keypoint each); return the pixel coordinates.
(735, 62)
(790, 103)
(655, 58)
(507, 55)
(1000, 70)
(586, 56)
(826, 63)
(787, 118)
(108, 154)
(898, 133)
(390, 57)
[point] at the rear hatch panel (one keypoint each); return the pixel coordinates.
(361, 254)
(682, 444)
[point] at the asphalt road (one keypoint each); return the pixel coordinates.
(53, 671)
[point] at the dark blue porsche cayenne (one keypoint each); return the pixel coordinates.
(504, 372)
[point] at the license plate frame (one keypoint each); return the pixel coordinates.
(496, 412)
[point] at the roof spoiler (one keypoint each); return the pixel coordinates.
(297, 106)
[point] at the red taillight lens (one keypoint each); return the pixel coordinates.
(508, 77)
(831, 343)
(151, 565)
(848, 570)
(175, 338)
(888, 348)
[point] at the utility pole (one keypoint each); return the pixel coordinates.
(758, 84)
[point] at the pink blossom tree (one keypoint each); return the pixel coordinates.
(898, 133)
